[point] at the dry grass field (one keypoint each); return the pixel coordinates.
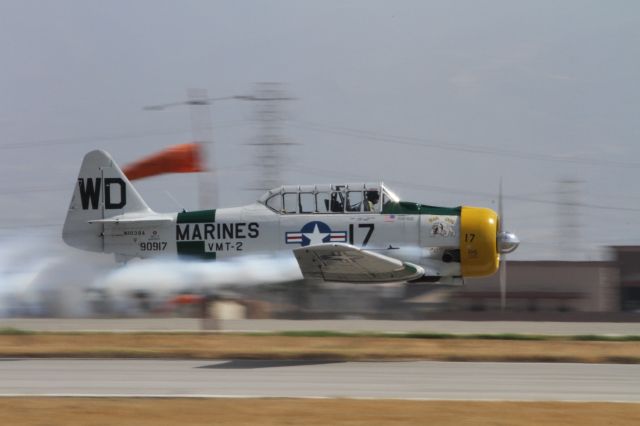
(154, 412)
(224, 346)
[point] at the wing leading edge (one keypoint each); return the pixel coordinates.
(346, 263)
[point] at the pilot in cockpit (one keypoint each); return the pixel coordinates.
(371, 205)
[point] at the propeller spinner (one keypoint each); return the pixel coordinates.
(507, 242)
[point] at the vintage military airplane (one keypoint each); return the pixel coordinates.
(358, 233)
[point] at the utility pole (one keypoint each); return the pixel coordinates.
(199, 104)
(202, 132)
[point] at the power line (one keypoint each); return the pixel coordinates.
(121, 137)
(238, 168)
(31, 225)
(448, 190)
(429, 143)
(12, 191)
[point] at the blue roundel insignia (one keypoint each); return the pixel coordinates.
(316, 232)
(311, 227)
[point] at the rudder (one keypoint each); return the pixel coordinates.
(101, 191)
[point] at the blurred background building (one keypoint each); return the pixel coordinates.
(628, 266)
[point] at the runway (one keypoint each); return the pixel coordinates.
(321, 379)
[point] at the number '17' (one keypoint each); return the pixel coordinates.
(368, 226)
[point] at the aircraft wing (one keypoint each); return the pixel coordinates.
(346, 263)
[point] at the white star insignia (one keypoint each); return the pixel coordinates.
(316, 236)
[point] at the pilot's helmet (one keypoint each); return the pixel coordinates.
(373, 196)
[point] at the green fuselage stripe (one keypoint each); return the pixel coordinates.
(194, 249)
(406, 207)
(199, 216)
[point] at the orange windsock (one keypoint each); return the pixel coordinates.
(183, 158)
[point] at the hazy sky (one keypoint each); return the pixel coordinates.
(438, 99)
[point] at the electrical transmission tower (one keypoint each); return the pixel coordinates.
(568, 217)
(270, 144)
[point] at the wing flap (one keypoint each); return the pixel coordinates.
(346, 263)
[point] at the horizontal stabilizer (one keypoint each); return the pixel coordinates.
(146, 220)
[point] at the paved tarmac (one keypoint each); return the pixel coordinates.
(354, 325)
(245, 378)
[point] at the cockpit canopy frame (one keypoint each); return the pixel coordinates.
(349, 198)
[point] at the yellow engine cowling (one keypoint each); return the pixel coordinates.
(478, 252)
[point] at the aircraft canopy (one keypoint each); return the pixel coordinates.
(328, 198)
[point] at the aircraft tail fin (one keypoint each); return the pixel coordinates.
(101, 191)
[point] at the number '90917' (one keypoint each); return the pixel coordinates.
(153, 246)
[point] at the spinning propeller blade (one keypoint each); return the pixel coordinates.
(507, 242)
